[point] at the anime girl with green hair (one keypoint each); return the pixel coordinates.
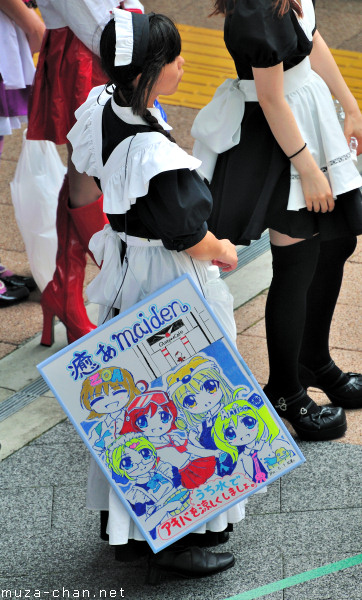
(105, 395)
(245, 433)
(199, 390)
(154, 492)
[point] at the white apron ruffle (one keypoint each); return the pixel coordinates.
(217, 128)
(150, 267)
(132, 164)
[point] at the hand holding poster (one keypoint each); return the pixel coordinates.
(171, 413)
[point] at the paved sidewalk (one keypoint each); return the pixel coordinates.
(310, 518)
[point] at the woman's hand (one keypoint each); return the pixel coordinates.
(317, 191)
(221, 253)
(353, 128)
(227, 260)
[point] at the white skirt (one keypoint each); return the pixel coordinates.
(150, 267)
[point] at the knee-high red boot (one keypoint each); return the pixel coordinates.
(63, 296)
(88, 220)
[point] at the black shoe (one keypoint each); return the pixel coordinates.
(310, 421)
(10, 295)
(104, 522)
(345, 391)
(132, 551)
(187, 562)
(207, 539)
(10, 279)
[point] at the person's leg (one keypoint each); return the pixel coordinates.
(79, 216)
(294, 264)
(316, 365)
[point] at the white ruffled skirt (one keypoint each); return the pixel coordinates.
(150, 267)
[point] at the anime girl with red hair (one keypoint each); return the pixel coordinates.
(155, 416)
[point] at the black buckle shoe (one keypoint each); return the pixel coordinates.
(310, 421)
(187, 562)
(347, 394)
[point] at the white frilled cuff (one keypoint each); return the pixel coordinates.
(106, 246)
(124, 37)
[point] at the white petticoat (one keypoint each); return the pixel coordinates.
(150, 267)
(217, 128)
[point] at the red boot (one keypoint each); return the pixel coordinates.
(63, 296)
(88, 220)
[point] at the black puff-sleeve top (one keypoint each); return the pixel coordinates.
(178, 202)
(256, 36)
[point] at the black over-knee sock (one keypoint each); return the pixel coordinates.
(321, 301)
(293, 270)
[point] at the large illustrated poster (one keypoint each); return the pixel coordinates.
(171, 413)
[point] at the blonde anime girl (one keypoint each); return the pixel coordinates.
(106, 395)
(245, 434)
(154, 493)
(199, 391)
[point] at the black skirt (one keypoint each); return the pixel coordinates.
(250, 189)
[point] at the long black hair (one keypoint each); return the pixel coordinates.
(163, 48)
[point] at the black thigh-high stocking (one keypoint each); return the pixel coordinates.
(293, 271)
(321, 301)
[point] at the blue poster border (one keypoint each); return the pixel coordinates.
(41, 366)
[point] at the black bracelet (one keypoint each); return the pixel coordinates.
(299, 151)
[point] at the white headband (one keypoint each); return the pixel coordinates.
(132, 36)
(124, 37)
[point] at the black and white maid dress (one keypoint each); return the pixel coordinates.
(253, 184)
(156, 203)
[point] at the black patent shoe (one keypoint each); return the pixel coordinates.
(346, 391)
(187, 562)
(310, 421)
(10, 295)
(10, 279)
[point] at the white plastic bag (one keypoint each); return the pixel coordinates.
(34, 190)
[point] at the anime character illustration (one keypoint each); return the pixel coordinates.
(281, 454)
(106, 394)
(153, 491)
(248, 437)
(154, 415)
(199, 391)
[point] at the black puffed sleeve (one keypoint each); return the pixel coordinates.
(176, 208)
(257, 32)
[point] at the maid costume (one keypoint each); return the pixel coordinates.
(253, 184)
(157, 206)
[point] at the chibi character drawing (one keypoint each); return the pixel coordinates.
(106, 394)
(154, 415)
(151, 488)
(248, 437)
(199, 391)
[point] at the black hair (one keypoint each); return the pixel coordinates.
(163, 48)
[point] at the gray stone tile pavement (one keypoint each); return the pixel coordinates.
(310, 518)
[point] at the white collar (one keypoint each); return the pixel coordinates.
(125, 113)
